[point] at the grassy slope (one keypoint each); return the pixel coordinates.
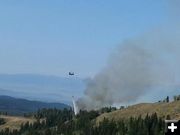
(162, 110)
(13, 122)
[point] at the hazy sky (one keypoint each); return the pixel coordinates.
(57, 36)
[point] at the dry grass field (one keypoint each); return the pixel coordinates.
(14, 122)
(162, 110)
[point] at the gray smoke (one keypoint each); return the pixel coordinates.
(137, 66)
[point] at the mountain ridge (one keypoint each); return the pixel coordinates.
(19, 106)
(52, 88)
(163, 110)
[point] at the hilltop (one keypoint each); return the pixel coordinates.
(17, 106)
(161, 109)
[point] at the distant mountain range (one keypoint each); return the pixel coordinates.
(41, 87)
(16, 106)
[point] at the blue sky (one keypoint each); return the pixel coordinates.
(54, 37)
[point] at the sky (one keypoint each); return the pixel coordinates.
(53, 37)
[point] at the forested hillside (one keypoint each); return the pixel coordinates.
(14, 106)
(57, 122)
(139, 119)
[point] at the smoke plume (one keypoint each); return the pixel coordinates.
(136, 66)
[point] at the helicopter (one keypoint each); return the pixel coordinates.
(71, 73)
